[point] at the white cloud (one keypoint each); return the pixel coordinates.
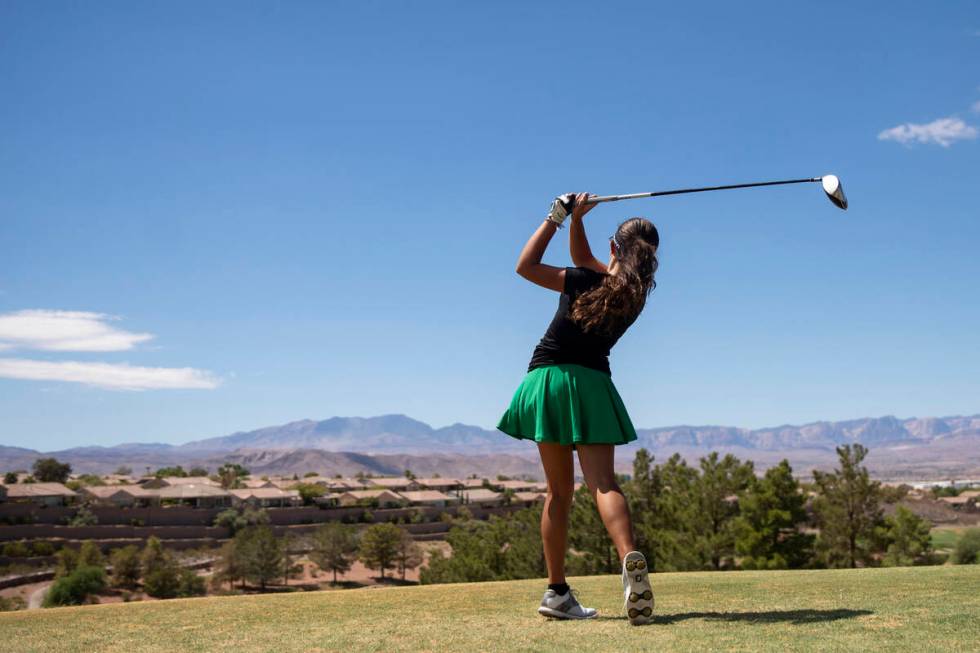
(976, 107)
(108, 375)
(64, 331)
(944, 131)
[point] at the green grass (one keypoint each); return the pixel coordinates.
(946, 538)
(897, 609)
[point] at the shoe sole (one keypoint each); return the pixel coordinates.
(638, 584)
(556, 614)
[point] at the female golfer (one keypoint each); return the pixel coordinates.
(568, 401)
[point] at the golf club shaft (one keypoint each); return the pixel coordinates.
(616, 198)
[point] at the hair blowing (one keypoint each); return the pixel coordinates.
(615, 303)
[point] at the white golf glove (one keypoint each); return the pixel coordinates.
(561, 208)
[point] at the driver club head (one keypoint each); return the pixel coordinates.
(835, 192)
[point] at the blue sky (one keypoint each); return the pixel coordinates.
(220, 216)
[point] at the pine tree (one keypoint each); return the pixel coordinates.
(263, 555)
(379, 547)
(126, 568)
(334, 548)
(717, 489)
(848, 511)
(909, 538)
(90, 554)
(588, 536)
(409, 554)
(771, 511)
(664, 503)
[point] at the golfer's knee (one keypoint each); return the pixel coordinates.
(560, 496)
(602, 483)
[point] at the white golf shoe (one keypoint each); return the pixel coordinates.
(637, 593)
(564, 606)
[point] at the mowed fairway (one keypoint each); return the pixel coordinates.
(903, 609)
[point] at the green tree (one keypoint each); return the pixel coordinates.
(309, 492)
(771, 512)
(967, 549)
(123, 470)
(76, 587)
(334, 548)
(262, 553)
(9, 478)
(67, 561)
(664, 503)
(49, 470)
(154, 556)
(908, 537)
(162, 581)
(171, 471)
(588, 537)
(190, 584)
(408, 554)
(501, 548)
(235, 520)
(231, 474)
(198, 471)
(90, 554)
(848, 511)
(126, 568)
(83, 517)
(717, 488)
(379, 547)
(230, 566)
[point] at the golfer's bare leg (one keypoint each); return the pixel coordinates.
(596, 461)
(560, 472)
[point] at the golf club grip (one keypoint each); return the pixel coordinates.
(616, 198)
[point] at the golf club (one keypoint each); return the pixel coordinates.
(831, 186)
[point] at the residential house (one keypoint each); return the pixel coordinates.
(518, 486)
(171, 481)
(394, 484)
(381, 498)
(199, 496)
(963, 503)
(482, 497)
(440, 484)
(265, 497)
(529, 498)
(429, 498)
(120, 495)
(46, 494)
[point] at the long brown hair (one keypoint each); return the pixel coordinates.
(616, 302)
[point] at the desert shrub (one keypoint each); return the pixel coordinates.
(16, 549)
(76, 587)
(9, 604)
(190, 584)
(967, 550)
(67, 561)
(84, 517)
(235, 521)
(90, 554)
(42, 548)
(164, 581)
(126, 567)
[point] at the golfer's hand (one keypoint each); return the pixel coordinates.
(582, 205)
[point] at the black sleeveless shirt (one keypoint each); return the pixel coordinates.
(565, 341)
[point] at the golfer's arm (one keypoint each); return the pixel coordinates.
(529, 263)
(578, 247)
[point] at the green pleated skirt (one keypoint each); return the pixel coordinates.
(568, 404)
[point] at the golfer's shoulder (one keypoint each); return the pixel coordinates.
(579, 278)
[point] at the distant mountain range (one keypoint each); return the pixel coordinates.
(390, 443)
